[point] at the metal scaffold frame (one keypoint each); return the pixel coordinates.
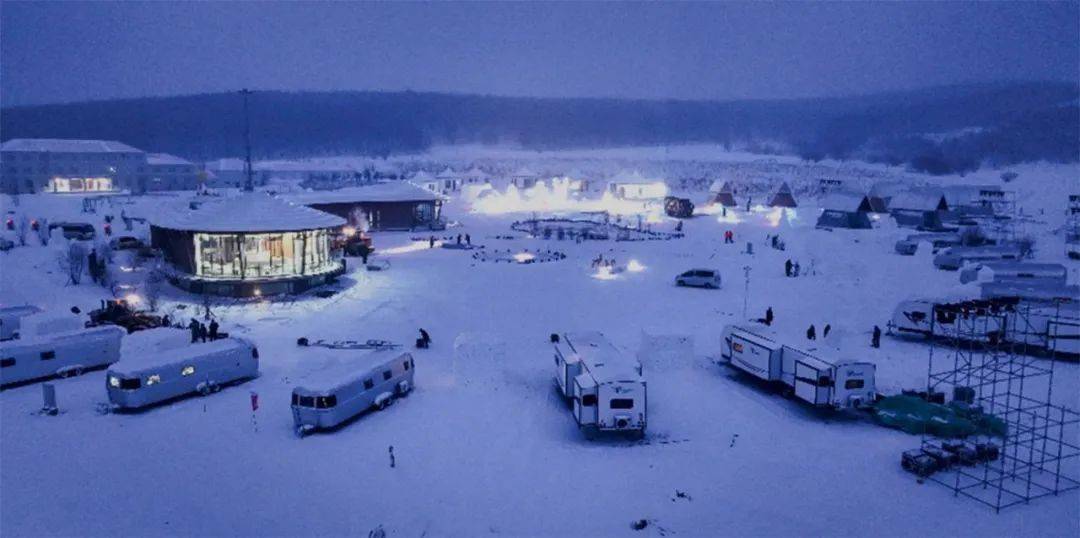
(986, 367)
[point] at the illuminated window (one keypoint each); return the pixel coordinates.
(153, 379)
(188, 370)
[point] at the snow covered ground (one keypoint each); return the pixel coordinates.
(483, 446)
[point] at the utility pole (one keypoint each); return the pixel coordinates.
(746, 293)
(249, 180)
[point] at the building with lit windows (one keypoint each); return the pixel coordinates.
(248, 245)
(166, 172)
(29, 165)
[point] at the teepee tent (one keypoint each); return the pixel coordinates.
(783, 197)
(725, 196)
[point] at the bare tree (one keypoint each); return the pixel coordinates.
(22, 229)
(73, 262)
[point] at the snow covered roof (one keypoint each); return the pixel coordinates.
(920, 200)
(422, 176)
(604, 361)
(390, 191)
(248, 212)
(57, 145)
(344, 366)
(447, 173)
(846, 202)
(155, 348)
(165, 159)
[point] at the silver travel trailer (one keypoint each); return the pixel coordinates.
(51, 346)
(1019, 272)
(349, 384)
(938, 240)
(956, 257)
(837, 385)
(1033, 328)
(11, 319)
(162, 364)
(1030, 292)
(605, 386)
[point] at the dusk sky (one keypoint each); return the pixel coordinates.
(58, 52)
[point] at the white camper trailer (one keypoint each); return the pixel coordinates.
(162, 364)
(839, 385)
(1038, 329)
(11, 318)
(938, 240)
(954, 258)
(1050, 273)
(605, 386)
(350, 383)
(57, 346)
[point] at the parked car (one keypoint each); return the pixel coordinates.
(6, 244)
(699, 278)
(126, 242)
(78, 231)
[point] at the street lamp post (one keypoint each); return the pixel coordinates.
(746, 293)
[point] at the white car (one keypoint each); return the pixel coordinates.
(700, 278)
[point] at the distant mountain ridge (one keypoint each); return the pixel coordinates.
(936, 130)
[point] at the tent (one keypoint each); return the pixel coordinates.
(725, 196)
(783, 197)
(919, 209)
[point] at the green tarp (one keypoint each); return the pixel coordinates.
(917, 416)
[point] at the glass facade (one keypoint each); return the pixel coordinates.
(79, 184)
(263, 255)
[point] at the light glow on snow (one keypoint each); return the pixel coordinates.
(562, 195)
(522, 257)
(635, 266)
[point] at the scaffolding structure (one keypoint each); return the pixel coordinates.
(984, 366)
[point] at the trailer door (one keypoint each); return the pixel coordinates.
(812, 384)
(585, 400)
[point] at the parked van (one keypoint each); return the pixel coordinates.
(605, 386)
(77, 231)
(819, 382)
(61, 346)
(699, 278)
(349, 384)
(161, 364)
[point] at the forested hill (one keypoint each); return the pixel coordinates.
(938, 130)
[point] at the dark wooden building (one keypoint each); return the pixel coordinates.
(393, 205)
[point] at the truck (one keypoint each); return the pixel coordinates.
(604, 386)
(812, 379)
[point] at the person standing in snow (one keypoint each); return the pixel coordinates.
(459, 239)
(213, 329)
(424, 341)
(194, 327)
(811, 334)
(795, 269)
(468, 240)
(787, 267)
(768, 316)
(875, 339)
(431, 242)
(203, 333)
(825, 333)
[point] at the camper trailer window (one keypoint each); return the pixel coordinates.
(10, 361)
(387, 374)
(153, 379)
(824, 381)
(588, 400)
(622, 403)
(325, 402)
(46, 355)
(306, 401)
(853, 384)
(188, 370)
(130, 384)
(295, 399)
(368, 384)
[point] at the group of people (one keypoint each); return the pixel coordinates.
(200, 332)
(468, 240)
(811, 332)
(791, 269)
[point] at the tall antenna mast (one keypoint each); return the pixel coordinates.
(249, 180)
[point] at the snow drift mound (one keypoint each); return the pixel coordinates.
(661, 351)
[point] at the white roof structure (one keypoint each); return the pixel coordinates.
(247, 213)
(164, 159)
(57, 145)
(344, 366)
(390, 191)
(917, 200)
(447, 173)
(154, 348)
(604, 361)
(846, 202)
